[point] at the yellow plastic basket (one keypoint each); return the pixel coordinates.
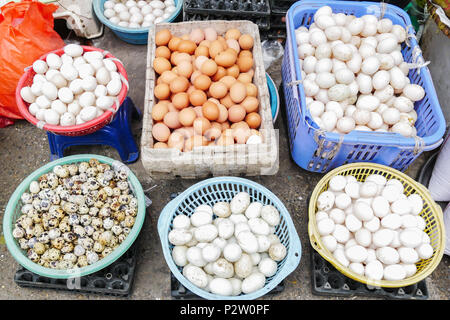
(431, 212)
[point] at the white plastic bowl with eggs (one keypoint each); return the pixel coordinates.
(73, 88)
(354, 75)
(138, 14)
(372, 227)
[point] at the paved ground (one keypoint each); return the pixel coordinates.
(24, 148)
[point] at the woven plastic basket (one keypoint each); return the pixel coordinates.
(81, 129)
(218, 189)
(431, 213)
(12, 212)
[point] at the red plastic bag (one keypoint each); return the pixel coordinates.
(26, 33)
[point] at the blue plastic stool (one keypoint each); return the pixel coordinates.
(117, 134)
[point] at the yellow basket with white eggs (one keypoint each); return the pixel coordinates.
(376, 225)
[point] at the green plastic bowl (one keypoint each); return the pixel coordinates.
(12, 212)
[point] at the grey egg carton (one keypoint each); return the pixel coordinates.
(328, 281)
(263, 23)
(114, 280)
(247, 8)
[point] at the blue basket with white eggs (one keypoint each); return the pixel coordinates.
(147, 13)
(224, 189)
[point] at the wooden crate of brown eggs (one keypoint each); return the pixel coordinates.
(254, 152)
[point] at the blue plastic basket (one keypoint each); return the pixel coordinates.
(130, 35)
(319, 151)
(213, 190)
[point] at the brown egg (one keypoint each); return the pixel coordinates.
(179, 57)
(187, 116)
(215, 48)
(202, 51)
(240, 124)
(171, 120)
(159, 80)
(233, 71)
(221, 72)
(218, 90)
(223, 42)
(253, 120)
(167, 76)
(241, 134)
(238, 92)
(228, 81)
(187, 46)
(209, 67)
(180, 100)
(185, 69)
(251, 73)
(205, 43)
(245, 53)
(226, 101)
(198, 62)
(225, 140)
(159, 111)
(250, 104)
(190, 89)
(202, 82)
(210, 111)
(194, 75)
(226, 59)
(176, 140)
(225, 126)
(160, 132)
(197, 35)
(163, 37)
(232, 34)
(161, 64)
(173, 44)
(179, 84)
(185, 37)
(246, 41)
(171, 107)
(187, 132)
(201, 125)
(163, 52)
(197, 97)
(223, 113)
(160, 145)
(212, 133)
(245, 78)
(215, 124)
(236, 113)
(252, 90)
(199, 111)
(245, 63)
(162, 91)
(195, 141)
(210, 34)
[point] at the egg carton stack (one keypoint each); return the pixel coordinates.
(278, 10)
(115, 280)
(327, 281)
(257, 11)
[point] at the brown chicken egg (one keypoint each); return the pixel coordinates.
(215, 124)
(245, 63)
(163, 37)
(215, 48)
(185, 69)
(221, 72)
(226, 59)
(185, 37)
(209, 67)
(225, 125)
(195, 141)
(228, 80)
(233, 71)
(171, 120)
(245, 77)
(205, 43)
(218, 90)
(202, 51)
(210, 111)
(178, 57)
(240, 124)
(226, 101)
(180, 100)
(202, 82)
(197, 97)
(187, 132)
(199, 62)
(163, 51)
(167, 76)
(162, 91)
(161, 64)
(223, 113)
(238, 92)
(160, 132)
(246, 41)
(212, 133)
(232, 34)
(252, 90)
(199, 111)
(187, 46)
(245, 53)
(233, 44)
(179, 84)
(251, 104)
(187, 116)
(197, 35)
(194, 75)
(176, 140)
(210, 34)
(241, 134)
(225, 140)
(253, 120)
(159, 111)
(201, 125)
(160, 145)
(236, 113)
(173, 43)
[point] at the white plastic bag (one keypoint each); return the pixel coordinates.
(439, 185)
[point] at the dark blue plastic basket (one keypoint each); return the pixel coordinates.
(318, 151)
(130, 35)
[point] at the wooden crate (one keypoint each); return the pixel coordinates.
(244, 160)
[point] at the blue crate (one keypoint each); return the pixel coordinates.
(133, 36)
(318, 151)
(217, 189)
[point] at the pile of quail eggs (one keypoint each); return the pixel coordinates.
(138, 14)
(73, 88)
(75, 215)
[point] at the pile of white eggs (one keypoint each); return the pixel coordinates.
(73, 88)
(354, 76)
(138, 14)
(372, 227)
(230, 248)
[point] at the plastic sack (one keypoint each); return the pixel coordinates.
(26, 33)
(439, 185)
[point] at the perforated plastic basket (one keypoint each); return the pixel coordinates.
(431, 213)
(12, 212)
(218, 189)
(319, 151)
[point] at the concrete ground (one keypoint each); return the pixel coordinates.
(24, 148)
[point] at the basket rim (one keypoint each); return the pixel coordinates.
(291, 261)
(18, 254)
(356, 137)
(23, 106)
(97, 5)
(315, 238)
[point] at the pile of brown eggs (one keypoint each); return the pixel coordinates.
(204, 90)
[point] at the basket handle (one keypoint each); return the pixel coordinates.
(312, 238)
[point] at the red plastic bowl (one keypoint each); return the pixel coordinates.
(77, 130)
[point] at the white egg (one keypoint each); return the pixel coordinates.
(88, 113)
(86, 70)
(341, 233)
(392, 221)
(40, 66)
(408, 255)
(67, 119)
(329, 242)
(73, 50)
(340, 256)
(76, 86)
(53, 61)
(374, 270)
(411, 238)
(109, 13)
(382, 237)
(89, 83)
(325, 226)
(387, 255)
(352, 223)
(43, 102)
(65, 95)
(114, 86)
(425, 251)
(363, 211)
(27, 95)
(410, 269)
(356, 253)
(51, 117)
(85, 100)
(373, 224)
(58, 106)
(394, 272)
(363, 237)
(343, 201)
(33, 108)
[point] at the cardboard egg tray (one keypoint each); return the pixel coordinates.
(327, 281)
(115, 280)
